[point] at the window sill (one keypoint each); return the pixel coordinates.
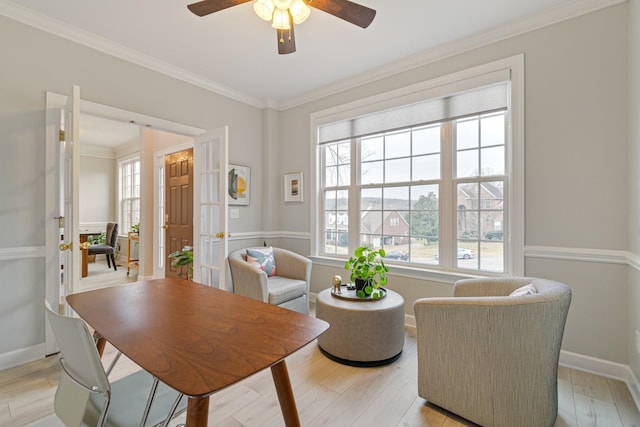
(409, 271)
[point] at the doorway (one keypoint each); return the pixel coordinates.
(178, 215)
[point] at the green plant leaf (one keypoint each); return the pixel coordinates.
(361, 294)
(368, 289)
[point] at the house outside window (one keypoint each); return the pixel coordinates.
(129, 194)
(430, 178)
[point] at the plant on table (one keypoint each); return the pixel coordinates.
(183, 260)
(98, 239)
(368, 271)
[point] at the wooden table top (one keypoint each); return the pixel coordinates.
(195, 338)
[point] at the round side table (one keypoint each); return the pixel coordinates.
(362, 332)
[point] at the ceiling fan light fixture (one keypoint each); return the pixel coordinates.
(299, 11)
(264, 9)
(281, 19)
(282, 4)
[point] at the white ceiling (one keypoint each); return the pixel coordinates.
(235, 53)
(110, 134)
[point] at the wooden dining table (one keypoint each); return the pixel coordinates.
(198, 339)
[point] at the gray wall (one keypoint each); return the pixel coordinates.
(576, 168)
(582, 163)
(633, 298)
(34, 62)
(98, 197)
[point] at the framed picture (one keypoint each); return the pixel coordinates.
(239, 190)
(293, 187)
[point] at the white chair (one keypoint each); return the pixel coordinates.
(85, 397)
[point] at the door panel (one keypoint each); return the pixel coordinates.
(178, 204)
(210, 227)
(69, 192)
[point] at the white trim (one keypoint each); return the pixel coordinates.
(97, 151)
(511, 68)
(251, 235)
(543, 19)
(85, 38)
(21, 356)
(603, 368)
(606, 256)
(24, 252)
(158, 163)
(93, 227)
(118, 114)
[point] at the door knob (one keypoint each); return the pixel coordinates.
(166, 222)
(220, 235)
(66, 246)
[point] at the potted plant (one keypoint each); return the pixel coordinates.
(368, 271)
(182, 259)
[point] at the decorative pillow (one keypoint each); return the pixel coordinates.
(263, 259)
(524, 290)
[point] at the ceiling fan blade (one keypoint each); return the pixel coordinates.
(352, 12)
(286, 40)
(206, 7)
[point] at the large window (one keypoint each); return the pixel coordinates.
(428, 181)
(129, 194)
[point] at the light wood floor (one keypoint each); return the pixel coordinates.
(327, 394)
(101, 276)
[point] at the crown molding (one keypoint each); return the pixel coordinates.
(97, 151)
(58, 28)
(543, 19)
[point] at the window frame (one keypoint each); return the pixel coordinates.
(124, 162)
(514, 168)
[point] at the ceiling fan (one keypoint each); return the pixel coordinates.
(285, 13)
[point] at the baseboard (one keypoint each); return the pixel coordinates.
(605, 368)
(21, 356)
(577, 361)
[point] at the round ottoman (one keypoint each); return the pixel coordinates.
(362, 332)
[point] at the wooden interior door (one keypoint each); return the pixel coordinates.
(178, 217)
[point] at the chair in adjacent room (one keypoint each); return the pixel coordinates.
(85, 396)
(273, 275)
(490, 353)
(109, 246)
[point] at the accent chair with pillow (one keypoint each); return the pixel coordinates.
(273, 275)
(490, 353)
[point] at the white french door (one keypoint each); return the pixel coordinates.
(210, 208)
(63, 266)
(69, 192)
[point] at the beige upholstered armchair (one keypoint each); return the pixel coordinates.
(289, 288)
(492, 357)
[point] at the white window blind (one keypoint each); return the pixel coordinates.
(488, 98)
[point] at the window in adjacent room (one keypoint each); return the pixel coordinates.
(129, 194)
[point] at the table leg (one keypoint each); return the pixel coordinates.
(285, 394)
(100, 344)
(197, 412)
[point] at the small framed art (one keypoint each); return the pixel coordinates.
(239, 185)
(293, 187)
